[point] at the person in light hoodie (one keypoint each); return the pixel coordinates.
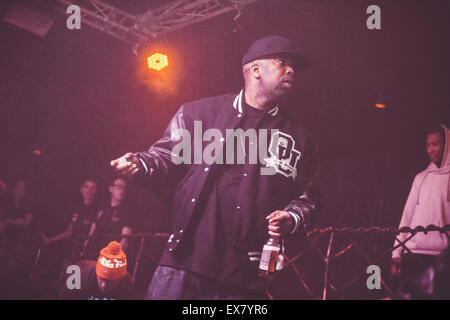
(428, 203)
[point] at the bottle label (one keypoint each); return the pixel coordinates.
(269, 258)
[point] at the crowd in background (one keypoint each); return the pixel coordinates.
(36, 249)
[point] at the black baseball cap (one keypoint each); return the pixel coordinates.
(274, 45)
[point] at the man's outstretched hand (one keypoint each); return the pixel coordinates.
(128, 165)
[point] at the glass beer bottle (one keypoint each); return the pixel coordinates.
(269, 257)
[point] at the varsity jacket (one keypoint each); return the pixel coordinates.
(291, 184)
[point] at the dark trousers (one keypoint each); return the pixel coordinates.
(170, 283)
(417, 281)
(414, 265)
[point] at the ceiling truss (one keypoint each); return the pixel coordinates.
(136, 29)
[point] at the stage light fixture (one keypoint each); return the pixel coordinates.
(157, 61)
(28, 19)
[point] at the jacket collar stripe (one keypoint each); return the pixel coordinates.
(237, 104)
(274, 111)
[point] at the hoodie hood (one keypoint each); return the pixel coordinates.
(446, 158)
(445, 164)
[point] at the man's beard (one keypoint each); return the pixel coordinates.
(277, 93)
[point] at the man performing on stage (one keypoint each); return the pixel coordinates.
(224, 210)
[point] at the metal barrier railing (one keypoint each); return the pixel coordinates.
(324, 252)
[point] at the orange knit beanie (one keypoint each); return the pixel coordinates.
(112, 262)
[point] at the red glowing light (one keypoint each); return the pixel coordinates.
(157, 61)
